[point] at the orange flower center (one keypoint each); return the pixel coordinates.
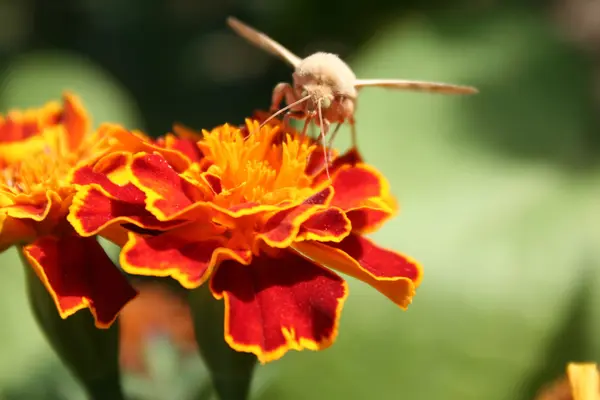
(45, 168)
(259, 167)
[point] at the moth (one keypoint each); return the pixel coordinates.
(324, 87)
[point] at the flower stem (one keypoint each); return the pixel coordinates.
(91, 354)
(231, 371)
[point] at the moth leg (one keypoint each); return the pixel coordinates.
(307, 122)
(353, 132)
(297, 115)
(282, 91)
(324, 124)
(333, 135)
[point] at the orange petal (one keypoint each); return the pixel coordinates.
(136, 142)
(394, 275)
(34, 207)
(14, 230)
(18, 126)
(75, 119)
(584, 381)
(279, 304)
(78, 274)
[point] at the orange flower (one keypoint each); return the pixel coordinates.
(581, 382)
(257, 217)
(156, 311)
(584, 381)
(38, 150)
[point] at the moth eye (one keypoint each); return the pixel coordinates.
(326, 102)
(304, 93)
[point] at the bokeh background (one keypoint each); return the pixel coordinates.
(499, 193)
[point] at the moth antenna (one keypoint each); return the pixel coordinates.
(285, 109)
(325, 153)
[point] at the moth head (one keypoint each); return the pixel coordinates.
(318, 95)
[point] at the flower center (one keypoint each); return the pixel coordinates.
(263, 167)
(46, 167)
(38, 172)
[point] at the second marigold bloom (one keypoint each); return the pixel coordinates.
(254, 215)
(39, 148)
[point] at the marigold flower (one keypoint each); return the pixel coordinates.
(581, 382)
(157, 310)
(256, 216)
(38, 150)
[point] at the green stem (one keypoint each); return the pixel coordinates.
(231, 371)
(92, 354)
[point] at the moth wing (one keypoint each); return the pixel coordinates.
(263, 41)
(419, 86)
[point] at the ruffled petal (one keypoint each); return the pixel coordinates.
(14, 230)
(330, 225)
(281, 229)
(354, 185)
(181, 254)
(168, 194)
(78, 274)
(363, 193)
(93, 210)
(394, 275)
(316, 165)
(34, 207)
(101, 203)
(137, 142)
(184, 145)
(276, 305)
(367, 219)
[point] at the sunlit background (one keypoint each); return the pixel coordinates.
(499, 192)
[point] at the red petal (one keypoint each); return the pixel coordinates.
(102, 203)
(274, 305)
(78, 274)
(185, 146)
(367, 219)
(330, 225)
(167, 192)
(179, 254)
(380, 263)
(113, 164)
(93, 210)
(353, 186)
(281, 229)
(317, 167)
(393, 274)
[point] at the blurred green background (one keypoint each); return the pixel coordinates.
(499, 193)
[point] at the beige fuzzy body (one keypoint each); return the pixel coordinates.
(328, 70)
